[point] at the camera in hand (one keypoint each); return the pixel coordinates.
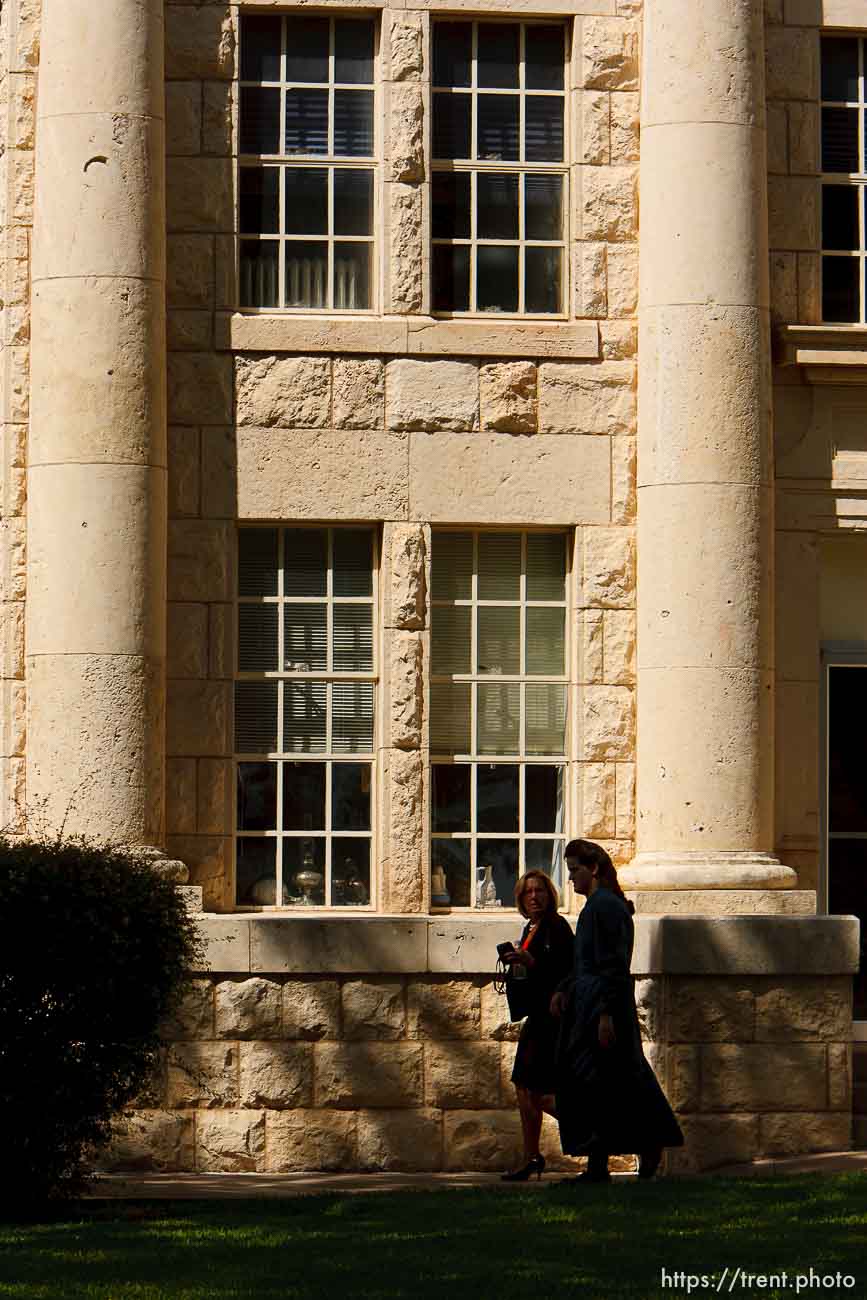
(503, 949)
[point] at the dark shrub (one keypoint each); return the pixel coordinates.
(95, 949)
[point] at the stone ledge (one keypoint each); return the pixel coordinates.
(405, 336)
(466, 944)
(829, 354)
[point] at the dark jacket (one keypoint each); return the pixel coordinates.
(607, 1097)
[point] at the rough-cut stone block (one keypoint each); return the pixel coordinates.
(12, 639)
(648, 1003)
(310, 1139)
(793, 212)
(432, 395)
(704, 1011)
(495, 1021)
(508, 396)
(197, 718)
(218, 109)
(400, 1139)
(403, 858)
(200, 557)
(778, 139)
(219, 474)
(623, 480)
(683, 1074)
(608, 580)
(794, 1135)
(230, 1142)
(619, 646)
(189, 331)
(13, 718)
(482, 1139)
(444, 1009)
(597, 799)
(763, 1076)
(13, 561)
(405, 690)
(199, 194)
(183, 117)
(187, 640)
(587, 398)
(287, 392)
(840, 1076)
(373, 1009)
(214, 798)
(407, 595)
(804, 136)
(594, 118)
(715, 1140)
(405, 285)
(624, 128)
(221, 640)
(608, 717)
(590, 646)
(792, 63)
(200, 43)
(199, 388)
(809, 289)
(194, 1018)
(609, 203)
(350, 1075)
(204, 1075)
(625, 824)
(609, 54)
(784, 287)
(622, 269)
(190, 271)
(618, 340)
(322, 474)
(590, 288)
(405, 47)
(804, 1009)
(359, 393)
(249, 1008)
(276, 1075)
(156, 1141)
(183, 448)
(405, 133)
(180, 796)
(311, 1009)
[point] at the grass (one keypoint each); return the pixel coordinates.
(599, 1243)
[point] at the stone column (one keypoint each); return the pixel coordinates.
(705, 653)
(97, 453)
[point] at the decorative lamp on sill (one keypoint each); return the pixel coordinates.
(439, 890)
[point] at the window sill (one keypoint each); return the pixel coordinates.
(406, 336)
(829, 354)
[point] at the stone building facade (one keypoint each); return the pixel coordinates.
(380, 505)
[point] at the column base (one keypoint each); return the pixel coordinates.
(700, 871)
(723, 902)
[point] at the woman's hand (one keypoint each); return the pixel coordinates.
(607, 1037)
(558, 1005)
(520, 957)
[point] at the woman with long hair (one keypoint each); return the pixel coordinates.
(608, 1098)
(545, 954)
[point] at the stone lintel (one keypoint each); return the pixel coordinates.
(465, 944)
(405, 337)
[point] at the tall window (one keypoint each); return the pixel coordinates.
(304, 716)
(497, 711)
(844, 176)
(499, 204)
(307, 144)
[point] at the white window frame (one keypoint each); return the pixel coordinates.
(324, 162)
(519, 758)
(475, 166)
(857, 180)
(328, 756)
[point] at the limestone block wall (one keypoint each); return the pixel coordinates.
(19, 53)
(400, 1057)
(402, 421)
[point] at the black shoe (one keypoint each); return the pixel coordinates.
(648, 1162)
(534, 1165)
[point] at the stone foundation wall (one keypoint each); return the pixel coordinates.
(410, 1069)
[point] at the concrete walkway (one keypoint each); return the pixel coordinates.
(133, 1186)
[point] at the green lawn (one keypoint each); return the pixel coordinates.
(599, 1243)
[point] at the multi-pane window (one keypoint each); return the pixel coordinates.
(497, 711)
(307, 145)
(499, 201)
(844, 176)
(304, 716)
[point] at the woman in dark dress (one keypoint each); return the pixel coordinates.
(608, 1098)
(545, 953)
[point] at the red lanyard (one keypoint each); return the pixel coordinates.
(530, 937)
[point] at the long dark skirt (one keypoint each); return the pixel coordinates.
(535, 1066)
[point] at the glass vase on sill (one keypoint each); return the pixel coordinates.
(487, 888)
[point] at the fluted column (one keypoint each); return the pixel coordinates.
(97, 453)
(705, 683)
